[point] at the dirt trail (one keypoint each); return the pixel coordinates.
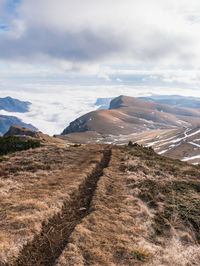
(48, 246)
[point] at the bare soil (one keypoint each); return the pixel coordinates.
(47, 247)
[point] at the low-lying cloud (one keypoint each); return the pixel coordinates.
(55, 106)
(97, 48)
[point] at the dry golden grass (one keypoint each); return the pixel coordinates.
(108, 236)
(145, 211)
(34, 185)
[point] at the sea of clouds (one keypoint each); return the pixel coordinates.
(63, 55)
(55, 104)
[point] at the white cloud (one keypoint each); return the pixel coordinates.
(111, 47)
(54, 105)
(93, 31)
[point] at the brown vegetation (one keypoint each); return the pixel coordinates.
(143, 209)
(23, 133)
(34, 186)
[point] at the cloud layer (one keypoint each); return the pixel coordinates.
(55, 105)
(97, 48)
(91, 31)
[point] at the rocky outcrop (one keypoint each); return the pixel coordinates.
(78, 125)
(17, 131)
(7, 121)
(117, 102)
(25, 133)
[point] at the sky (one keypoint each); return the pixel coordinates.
(62, 55)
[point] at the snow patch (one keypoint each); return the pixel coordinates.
(195, 144)
(190, 158)
(161, 152)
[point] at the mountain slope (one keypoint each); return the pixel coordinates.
(177, 100)
(174, 100)
(36, 186)
(27, 133)
(10, 104)
(180, 144)
(128, 115)
(98, 205)
(139, 214)
(144, 122)
(7, 121)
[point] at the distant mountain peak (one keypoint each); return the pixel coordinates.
(10, 104)
(7, 121)
(143, 121)
(119, 102)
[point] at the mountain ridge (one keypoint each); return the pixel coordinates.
(130, 110)
(10, 104)
(7, 121)
(142, 121)
(13, 105)
(174, 100)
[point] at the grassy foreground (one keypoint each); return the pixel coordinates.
(146, 211)
(98, 205)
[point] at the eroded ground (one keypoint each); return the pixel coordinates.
(99, 205)
(146, 211)
(35, 186)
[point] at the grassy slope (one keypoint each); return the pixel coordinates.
(146, 210)
(34, 186)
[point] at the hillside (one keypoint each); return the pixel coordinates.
(142, 121)
(7, 121)
(12, 105)
(128, 115)
(98, 205)
(27, 133)
(176, 100)
(181, 144)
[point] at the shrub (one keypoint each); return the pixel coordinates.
(75, 145)
(131, 144)
(11, 143)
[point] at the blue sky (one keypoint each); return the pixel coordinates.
(10, 6)
(98, 48)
